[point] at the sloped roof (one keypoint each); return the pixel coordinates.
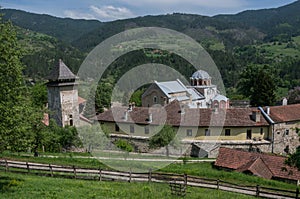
(172, 87)
(61, 72)
(195, 94)
(191, 117)
(286, 113)
(259, 164)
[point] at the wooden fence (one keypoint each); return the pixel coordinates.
(176, 181)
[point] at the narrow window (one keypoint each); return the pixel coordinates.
(189, 132)
(249, 134)
(261, 131)
(71, 122)
(131, 129)
(154, 99)
(287, 132)
(227, 132)
(207, 132)
(117, 128)
(147, 130)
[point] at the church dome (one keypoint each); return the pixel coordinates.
(201, 74)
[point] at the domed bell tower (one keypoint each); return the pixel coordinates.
(63, 96)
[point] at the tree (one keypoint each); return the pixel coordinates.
(258, 84)
(15, 111)
(294, 96)
(294, 159)
(166, 137)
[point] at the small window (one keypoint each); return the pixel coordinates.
(189, 132)
(71, 122)
(278, 133)
(227, 132)
(261, 131)
(117, 128)
(207, 132)
(287, 132)
(146, 129)
(155, 99)
(70, 116)
(131, 129)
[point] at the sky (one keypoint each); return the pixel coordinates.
(109, 10)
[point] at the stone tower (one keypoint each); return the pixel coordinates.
(63, 96)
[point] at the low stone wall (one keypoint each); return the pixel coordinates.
(196, 148)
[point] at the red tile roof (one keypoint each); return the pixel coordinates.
(287, 113)
(173, 115)
(263, 165)
(81, 100)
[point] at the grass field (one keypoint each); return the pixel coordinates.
(204, 170)
(27, 186)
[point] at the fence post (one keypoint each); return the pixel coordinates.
(218, 184)
(6, 165)
(74, 171)
(130, 175)
(297, 193)
(27, 167)
(100, 174)
(257, 191)
(150, 175)
(50, 167)
(185, 179)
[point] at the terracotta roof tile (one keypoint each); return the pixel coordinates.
(176, 116)
(285, 113)
(263, 165)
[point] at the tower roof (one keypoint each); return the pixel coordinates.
(201, 74)
(61, 72)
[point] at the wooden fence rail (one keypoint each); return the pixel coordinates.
(178, 183)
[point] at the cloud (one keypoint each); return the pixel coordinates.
(215, 4)
(103, 13)
(108, 13)
(77, 15)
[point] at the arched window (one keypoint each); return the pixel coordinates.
(155, 100)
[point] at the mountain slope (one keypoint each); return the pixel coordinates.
(201, 28)
(65, 29)
(274, 22)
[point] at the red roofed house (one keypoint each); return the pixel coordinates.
(285, 126)
(259, 164)
(205, 129)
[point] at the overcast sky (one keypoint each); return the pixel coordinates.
(108, 10)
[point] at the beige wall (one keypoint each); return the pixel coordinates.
(236, 133)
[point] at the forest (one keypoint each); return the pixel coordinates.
(260, 43)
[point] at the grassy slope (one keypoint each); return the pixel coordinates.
(204, 170)
(26, 186)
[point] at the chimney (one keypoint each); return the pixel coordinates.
(150, 118)
(256, 116)
(284, 102)
(268, 110)
(125, 116)
(130, 107)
